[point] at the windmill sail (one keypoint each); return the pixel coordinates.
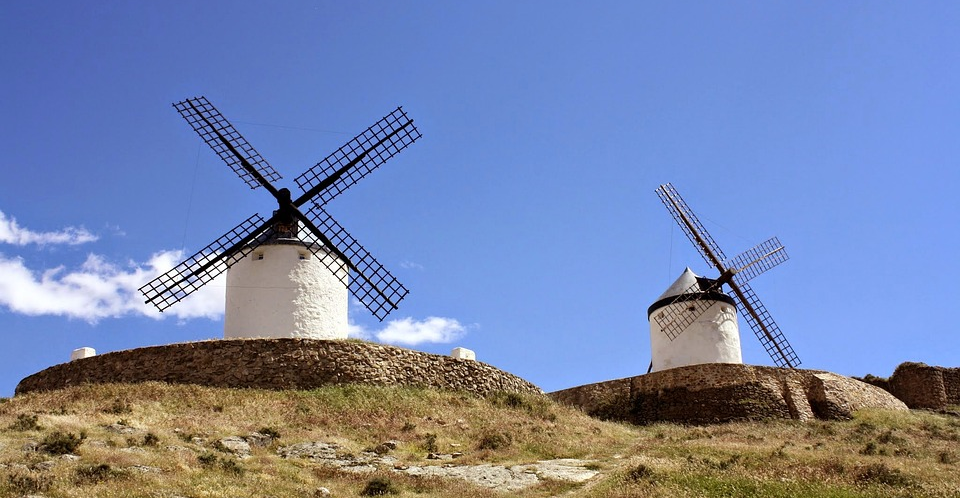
(226, 141)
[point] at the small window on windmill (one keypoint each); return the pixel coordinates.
(304, 255)
(258, 256)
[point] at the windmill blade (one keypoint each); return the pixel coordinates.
(372, 284)
(757, 260)
(673, 320)
(188, 276)
(357, 158)
(764, 327)
(691, 226)
(221, 136)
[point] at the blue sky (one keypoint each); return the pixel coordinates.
(525, 219)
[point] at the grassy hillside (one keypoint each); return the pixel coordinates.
(156, 440)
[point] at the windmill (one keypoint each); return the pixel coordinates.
(303, 221)
(735, 273)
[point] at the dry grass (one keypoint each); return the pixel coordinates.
(171, 450)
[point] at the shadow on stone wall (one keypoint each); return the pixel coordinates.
(719, 392)
(279, 364)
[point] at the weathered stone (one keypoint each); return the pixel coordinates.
(279, 364)
(722, 392)
(235, 445)
(922, 386)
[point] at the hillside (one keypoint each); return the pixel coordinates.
(158, 440)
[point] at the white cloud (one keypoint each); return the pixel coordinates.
(411, 332)
(410, 265)
(99, 289)
(12, 233)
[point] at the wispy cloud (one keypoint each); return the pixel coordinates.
(13, 233)
(410, 332)
(410, 265)
(99, 289)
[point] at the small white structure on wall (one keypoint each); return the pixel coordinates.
(81, 353)
(463, 354)
(282, 289)
(714, 337)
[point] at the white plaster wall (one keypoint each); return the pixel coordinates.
(712, 338)
(282, 295)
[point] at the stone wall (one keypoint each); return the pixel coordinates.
(922, 386)
(720, 392)
(279, 364)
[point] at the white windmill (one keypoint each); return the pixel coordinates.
(694, 321)
(289, 275)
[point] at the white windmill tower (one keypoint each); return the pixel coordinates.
(712, 337)
(289, 275)
(694, 321)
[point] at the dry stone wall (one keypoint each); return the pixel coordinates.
(922, 386)
(279, 364)
(720, 392)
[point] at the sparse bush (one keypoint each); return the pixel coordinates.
(227, 464)
(270, 432)
(947, 457)
(25, 422)
(494, 441)
(61, 443)
(379, 486)
(29, 482)
(150, 439)
(408, 427)
(640, 473)
(879, 473)
(119, 407)
(869, 449)
(230, 465)
(430, 442)
(93, 474)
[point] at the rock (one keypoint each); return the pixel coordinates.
(30, 446)
(315, 450)
(320, 492)
(385, 447)
(144, 469)
(121, 429)
(565, 469)
(259, 440)
(235, 445)
(70, 458)
(45, 465)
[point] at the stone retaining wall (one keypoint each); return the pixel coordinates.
(720, 392)
(922, 386)
(279, 364)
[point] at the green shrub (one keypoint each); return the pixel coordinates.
(494, 441)
(25, 422)
(379, 486)
(270, 431)
(92, 474)
(61, 443)
(640, 473)
(879, 473)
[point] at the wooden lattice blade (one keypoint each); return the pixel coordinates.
(191, 274)
(371, 283)
(357, 158)
(224, 139)
(691, 226)
(757, 260)
(764, 327)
